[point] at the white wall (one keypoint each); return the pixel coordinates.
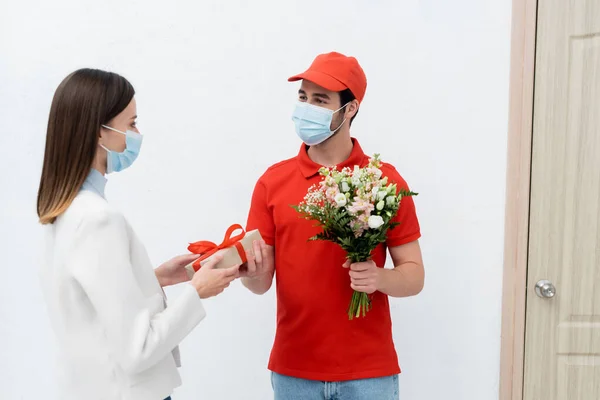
(215, 107)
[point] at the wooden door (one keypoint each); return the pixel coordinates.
(562, 338)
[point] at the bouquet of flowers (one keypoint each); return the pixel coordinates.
(355, 208)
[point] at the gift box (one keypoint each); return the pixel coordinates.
(233, 249)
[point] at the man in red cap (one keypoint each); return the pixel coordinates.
(318, 353)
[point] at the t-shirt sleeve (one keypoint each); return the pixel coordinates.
(261, 216)
(409, 229)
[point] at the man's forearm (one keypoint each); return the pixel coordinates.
(405, 280)
(259, 284)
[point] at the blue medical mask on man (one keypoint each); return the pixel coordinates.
(313, 123)
(118, 161)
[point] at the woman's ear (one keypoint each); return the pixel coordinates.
(100, 135)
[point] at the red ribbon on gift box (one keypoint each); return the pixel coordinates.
(207, 249)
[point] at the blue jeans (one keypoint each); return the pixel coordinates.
(289, 388)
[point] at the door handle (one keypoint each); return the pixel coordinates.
(545, 289)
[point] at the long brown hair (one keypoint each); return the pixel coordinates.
(85, 100)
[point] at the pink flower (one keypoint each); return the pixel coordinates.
(374, 173)
(358, 228)
(360, 224)
(331, 193)
(361, 206)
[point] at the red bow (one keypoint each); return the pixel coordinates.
(207, 249)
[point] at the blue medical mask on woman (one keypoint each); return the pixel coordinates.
(313, 123)
(118, 161)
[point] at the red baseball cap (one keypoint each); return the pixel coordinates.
(336, 72)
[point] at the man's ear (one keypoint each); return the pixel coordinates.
(352, 109)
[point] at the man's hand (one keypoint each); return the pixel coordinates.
(257, 273)
(259, 264)
(364, 276)
(173, 271)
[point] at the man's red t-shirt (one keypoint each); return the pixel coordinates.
(314, 338)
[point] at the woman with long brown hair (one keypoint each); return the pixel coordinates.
(117, 339)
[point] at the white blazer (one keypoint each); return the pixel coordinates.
(116, 339)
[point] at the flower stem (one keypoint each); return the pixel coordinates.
(360, 302)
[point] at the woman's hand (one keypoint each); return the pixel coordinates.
(209, 281)
(173, 271)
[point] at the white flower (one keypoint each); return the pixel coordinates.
(340, 200)
(375, 221)
(357, 175)
(378, 173)
(380, 205)
(374, 192)
(345, 187)
(390, 200)
(381, 195)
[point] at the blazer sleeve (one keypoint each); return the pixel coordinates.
(100, 262)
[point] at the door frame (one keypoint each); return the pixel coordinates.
(518, 178)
